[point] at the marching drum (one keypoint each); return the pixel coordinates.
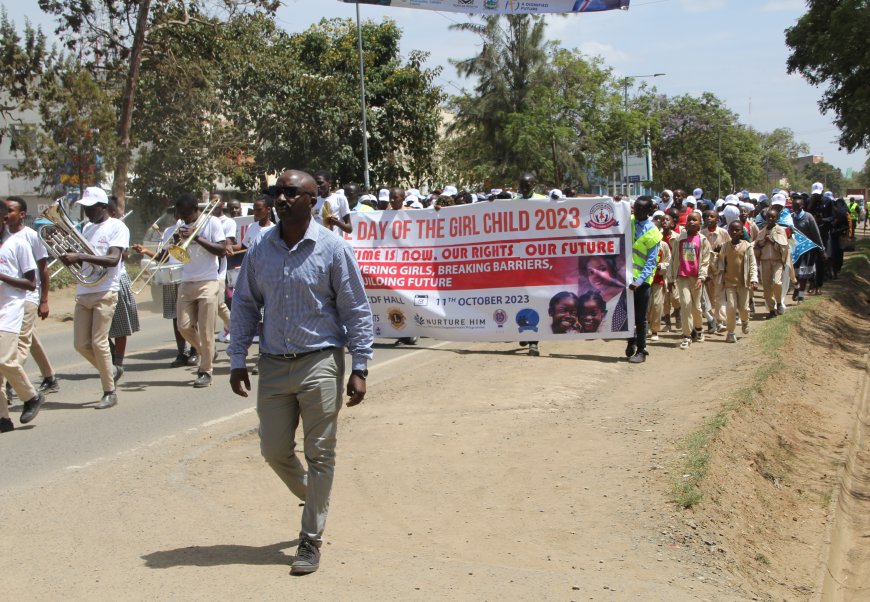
(168, 274)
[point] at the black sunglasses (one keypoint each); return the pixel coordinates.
(289, 192)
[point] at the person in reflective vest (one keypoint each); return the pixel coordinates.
(644, 257)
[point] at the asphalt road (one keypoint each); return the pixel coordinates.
(156, 402)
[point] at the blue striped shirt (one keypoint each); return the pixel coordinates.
(312, 296)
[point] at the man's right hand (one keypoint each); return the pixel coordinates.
(239, 376)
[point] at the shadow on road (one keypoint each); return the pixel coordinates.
(221, 555)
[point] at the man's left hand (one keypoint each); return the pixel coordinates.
(632, 286)
(356, 390)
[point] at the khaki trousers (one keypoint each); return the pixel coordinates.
(736, 300)
(197, 314)
(716, 294)
(12, 371)
(690, 305)
(656, 306)
(91, 323)
(222, 309)
(771, 282)
(29, 342)
(309, 389)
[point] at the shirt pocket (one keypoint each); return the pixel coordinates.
(306, 287)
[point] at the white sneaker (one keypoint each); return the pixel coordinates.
(685, 344)
(730, 338)
(745, 327)
(700, 336)
(223, 336)
(654, 337)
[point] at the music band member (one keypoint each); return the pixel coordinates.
(17, 276)
(198, 293)
(36, 301)
(229, 226)
(95, 305)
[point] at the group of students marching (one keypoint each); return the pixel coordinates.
(712, 259)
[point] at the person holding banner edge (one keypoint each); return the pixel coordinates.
(645, 252)
(526, 188)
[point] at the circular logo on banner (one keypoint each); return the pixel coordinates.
(527, 319)
(396, 317)
(601, 217)
(500, 316)
(490, 4)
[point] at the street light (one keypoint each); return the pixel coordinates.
(625, 81)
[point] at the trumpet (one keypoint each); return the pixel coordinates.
(179, 251)
(61, 237)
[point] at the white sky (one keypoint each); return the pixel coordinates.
(732, 48)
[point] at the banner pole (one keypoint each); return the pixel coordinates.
(362, 100)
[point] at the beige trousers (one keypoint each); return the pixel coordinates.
(771, 282)
(92, 321)
(658, 292)
(716, 294)
(197, 314)
(690, 305)
(736, 301)
(29, 342)
(12, 371)
(308, 389)
(222, 309)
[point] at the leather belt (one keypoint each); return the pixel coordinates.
(295, 356)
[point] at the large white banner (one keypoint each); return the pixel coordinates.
(503, 7)
(521, 270)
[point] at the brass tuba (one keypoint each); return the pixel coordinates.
(61, 236)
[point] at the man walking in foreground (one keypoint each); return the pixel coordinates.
(308, 284)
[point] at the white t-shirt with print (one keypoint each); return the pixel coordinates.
(37, 247)
(204, 265)
(103, 236)
(16, 259)
(337, 203)
(254, 233)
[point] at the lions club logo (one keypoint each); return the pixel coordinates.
(601, 217)
(396, 318)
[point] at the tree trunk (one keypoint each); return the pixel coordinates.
(127, 101)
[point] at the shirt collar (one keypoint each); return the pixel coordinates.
(312, 233)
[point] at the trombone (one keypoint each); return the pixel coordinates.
(179, 251)
(152, 269)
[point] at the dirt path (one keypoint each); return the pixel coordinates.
(478, 474)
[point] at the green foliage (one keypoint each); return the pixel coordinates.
(76, 141)
(535, 107)
(825, 173)
(779, 150)
(829, 46)
(687, 144)
(22, 62)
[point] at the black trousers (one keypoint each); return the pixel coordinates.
(641, 305)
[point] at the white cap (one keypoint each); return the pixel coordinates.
(93, 195)
(697, 193)
(449, 191)
(732, 199)
(658, 213)
(818, 187)
(720, 203)
(556, 194)
(383, 194)
(778, 199)
(690, 200)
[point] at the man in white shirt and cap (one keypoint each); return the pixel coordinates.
(95, 305)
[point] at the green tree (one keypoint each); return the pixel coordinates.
(688, 138)
(115, 36)
(75, 143)
(491, 125)
(831, 177)
(829, 46)
(779, 150)
(22, 62)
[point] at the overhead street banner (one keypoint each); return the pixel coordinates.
(503, 7)
(522, 270)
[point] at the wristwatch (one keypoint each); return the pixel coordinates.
(361, 373)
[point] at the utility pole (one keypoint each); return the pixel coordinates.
(625, 82)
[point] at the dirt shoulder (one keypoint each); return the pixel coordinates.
(475, 472)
